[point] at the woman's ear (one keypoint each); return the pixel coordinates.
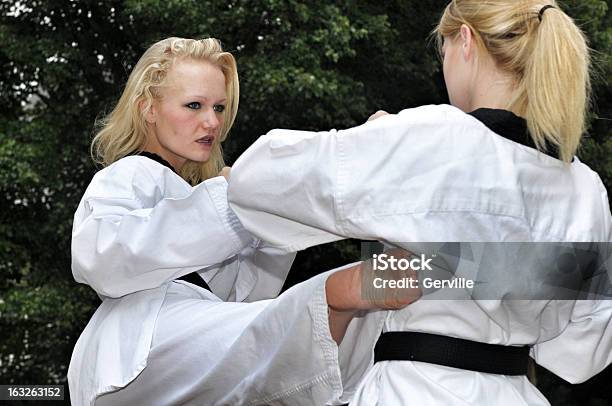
(150, 114)
(467, 42)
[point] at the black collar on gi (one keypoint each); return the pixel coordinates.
(510, 126)
(156, 158)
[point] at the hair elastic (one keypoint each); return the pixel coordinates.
(543, 9)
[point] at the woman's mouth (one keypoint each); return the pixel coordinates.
(208, 140)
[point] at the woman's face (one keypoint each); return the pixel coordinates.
(185, 119)
(456, 72)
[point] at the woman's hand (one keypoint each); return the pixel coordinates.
(346, 290)
(378, 114)
(346, 294)
(225, 172)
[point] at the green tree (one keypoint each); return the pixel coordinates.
(309, 65)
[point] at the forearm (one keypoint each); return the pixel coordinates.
(341, 295)
(120, 246)
(345, 297)
(338, 323)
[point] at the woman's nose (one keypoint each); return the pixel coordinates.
(210, 119)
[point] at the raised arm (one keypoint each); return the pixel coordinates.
(128, 237)
(296, 189)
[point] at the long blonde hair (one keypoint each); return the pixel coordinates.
(123, 131)
(546, 53)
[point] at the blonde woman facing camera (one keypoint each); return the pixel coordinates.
(497, 165)
(155, 238)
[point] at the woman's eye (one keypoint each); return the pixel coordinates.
(193, 105)
(219, 108)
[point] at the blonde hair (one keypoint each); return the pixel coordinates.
(546, 53)
(123, 131)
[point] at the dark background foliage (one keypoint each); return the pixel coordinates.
(309, 65)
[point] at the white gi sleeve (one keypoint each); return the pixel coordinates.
(127, 238)
(270, 267)
(296, 189)
(584, 348)
(292, 206)
(258, 272)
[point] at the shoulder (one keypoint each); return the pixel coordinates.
(440, 132)
(135, 177)
(447, 120)
(587, 181)
(437, 112)
(429, 123)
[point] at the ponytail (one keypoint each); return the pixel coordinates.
(556, 84)
(546, 53)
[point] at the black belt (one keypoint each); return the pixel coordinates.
(452, 352)
(196, 279)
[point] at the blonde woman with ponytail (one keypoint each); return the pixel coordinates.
(155, 238)
(493, 182)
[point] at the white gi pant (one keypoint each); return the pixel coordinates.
(272, 352)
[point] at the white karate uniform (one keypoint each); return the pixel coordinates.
(159, 341)
(436, 174)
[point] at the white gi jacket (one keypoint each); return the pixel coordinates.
(138, 227)
(437, 174)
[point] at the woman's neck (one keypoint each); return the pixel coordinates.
(492, 88)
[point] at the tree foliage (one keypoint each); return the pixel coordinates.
(308, 65)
